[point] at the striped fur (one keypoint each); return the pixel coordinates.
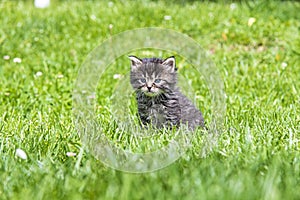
(160, 103)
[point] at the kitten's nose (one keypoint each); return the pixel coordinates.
(149, 88)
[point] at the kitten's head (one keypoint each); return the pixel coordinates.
(153, 76)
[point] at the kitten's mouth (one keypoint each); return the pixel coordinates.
(151, 91)
(151, 94)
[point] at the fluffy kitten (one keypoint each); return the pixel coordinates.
(160, 102)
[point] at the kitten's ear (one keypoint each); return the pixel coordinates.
(135, 62)
(171, 63)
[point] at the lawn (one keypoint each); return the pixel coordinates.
(255, 47)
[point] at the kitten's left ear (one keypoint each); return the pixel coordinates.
(170, 62)
(135, 62)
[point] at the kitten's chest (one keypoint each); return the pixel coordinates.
(157, 112)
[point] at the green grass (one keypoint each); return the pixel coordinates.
(258, 152)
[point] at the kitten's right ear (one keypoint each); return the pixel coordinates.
(135, 62)
(170, 63)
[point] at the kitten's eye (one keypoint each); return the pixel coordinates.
(143, 80)
(157, 81)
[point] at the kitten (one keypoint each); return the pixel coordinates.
(160, 103)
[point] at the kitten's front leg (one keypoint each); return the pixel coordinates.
(144, 118)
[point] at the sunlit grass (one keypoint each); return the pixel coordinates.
(255, 46)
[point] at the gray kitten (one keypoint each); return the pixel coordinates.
(160, 103)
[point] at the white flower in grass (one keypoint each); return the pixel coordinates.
(6, 57)
(233, 6)
(167, 17)
(117, 76)
(59, 76)
(251, 21)
(41, 3)
(93, 17)
(21, 154)
(71, 154)
(17, 60)
(284, 65)
(110, 4)
(39, 73)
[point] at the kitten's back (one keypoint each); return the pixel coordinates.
(190, 115)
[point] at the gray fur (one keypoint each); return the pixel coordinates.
(160, 102)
